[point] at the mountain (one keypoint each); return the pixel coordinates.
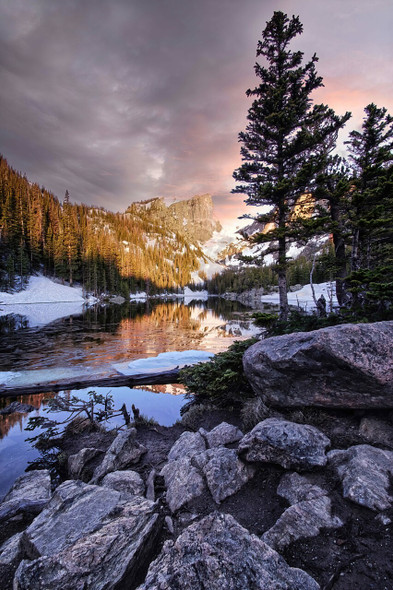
(193, 218)
(151, 246)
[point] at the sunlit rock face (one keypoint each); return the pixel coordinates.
(193, 218)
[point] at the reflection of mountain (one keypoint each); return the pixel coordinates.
(10, 420)
(172, 389)
(114, 334)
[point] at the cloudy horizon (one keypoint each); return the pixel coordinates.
(119, 101)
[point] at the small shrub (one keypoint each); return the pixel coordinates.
(221, 380)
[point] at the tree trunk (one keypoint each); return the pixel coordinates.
(340, 256)
(282, 279)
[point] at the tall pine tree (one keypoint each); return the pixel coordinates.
(285, 139)
(371, 209)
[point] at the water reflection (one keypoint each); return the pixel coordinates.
(102, 336)
(117, 333)
(160, 402)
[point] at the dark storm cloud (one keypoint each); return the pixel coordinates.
(120, 100)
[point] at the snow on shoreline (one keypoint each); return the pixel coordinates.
(304, 297)
(40, 289)
(43, 301)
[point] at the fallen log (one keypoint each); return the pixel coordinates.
(162, 378)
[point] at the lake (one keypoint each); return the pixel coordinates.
(94, 342)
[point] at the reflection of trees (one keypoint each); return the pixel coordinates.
(12, 323)
(8, 421)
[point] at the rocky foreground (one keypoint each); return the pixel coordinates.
(303, 500)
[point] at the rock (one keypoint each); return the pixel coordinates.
(11, 551)
(294, 288)
(30, 493)
(291, 445)
(225, 474)
(187, 445)
(123, 452)
(383, 519)
(17, 407)
(118, 299)
(297, 488)
(150, 491)
(221, 435)
(129, 482)
(169, 524)
(218, 553)
(302, 521)
(377, 431)
(365, 473)
(346, 366)
(183, 483)
(79, 462)
(76, 509)
(108, 553)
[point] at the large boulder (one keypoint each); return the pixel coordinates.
(218, 553)
(88, 537)
(347, 366)
(29, 494)
(291, 445)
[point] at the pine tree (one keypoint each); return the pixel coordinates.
(285, 139)
(70, 239)
(371, 209)
(332, 204)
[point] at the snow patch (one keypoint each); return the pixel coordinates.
(304, 297)
(42, 290)
(166, 361)
(142, 296)
(195, 295)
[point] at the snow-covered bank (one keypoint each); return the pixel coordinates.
(304, 298)
(42, 290)
(43, 301)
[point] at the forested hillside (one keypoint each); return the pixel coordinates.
(104, 251)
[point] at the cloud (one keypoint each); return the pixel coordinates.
(121, 100)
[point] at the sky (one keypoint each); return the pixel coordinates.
(124, 100)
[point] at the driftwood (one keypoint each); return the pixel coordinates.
(111, 381)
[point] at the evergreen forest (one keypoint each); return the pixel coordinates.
(103, 251)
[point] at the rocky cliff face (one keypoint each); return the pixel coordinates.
(195, 217)
(192, 218)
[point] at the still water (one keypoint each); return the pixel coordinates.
(98, 339)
